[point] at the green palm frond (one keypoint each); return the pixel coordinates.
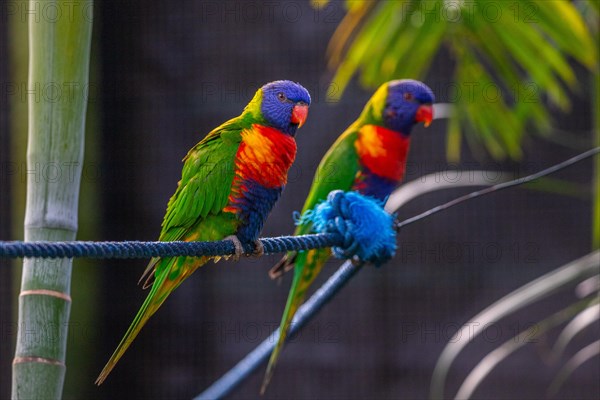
(511, 60)
(575, 272)
(509, 347)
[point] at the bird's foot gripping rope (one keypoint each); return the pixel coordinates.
(366, 229)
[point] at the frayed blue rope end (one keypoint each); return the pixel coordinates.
(366, 227)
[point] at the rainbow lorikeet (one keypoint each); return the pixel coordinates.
(369, 157)
(230, 182)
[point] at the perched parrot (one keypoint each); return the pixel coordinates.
(369, 157)
(230, 182)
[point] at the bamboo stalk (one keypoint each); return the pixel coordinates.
(59, 47)
(6, 273)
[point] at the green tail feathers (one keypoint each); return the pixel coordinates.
(308, 264)
(148, 308)
(171, 272)
(294, 301)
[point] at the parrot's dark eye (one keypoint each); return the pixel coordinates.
(281, 97)
(408, 96)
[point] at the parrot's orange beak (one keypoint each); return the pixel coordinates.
(424, 114)
(299, 114)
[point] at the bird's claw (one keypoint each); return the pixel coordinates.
(259, 251)
(239, 249)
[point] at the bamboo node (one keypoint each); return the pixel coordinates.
(46, 292)
(41, 360)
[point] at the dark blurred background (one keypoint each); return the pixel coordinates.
(166, 73)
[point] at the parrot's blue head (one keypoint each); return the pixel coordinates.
(407, 103)
(285, 105)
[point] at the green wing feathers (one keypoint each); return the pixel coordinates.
(203, 191)
(336, 170)
(205, 183)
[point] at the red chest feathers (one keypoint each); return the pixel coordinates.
(382, 151)
(265, 156)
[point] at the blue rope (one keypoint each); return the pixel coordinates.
(136, 249)
(350, 223)
(366, 227)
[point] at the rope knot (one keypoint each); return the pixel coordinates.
(366, 229)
